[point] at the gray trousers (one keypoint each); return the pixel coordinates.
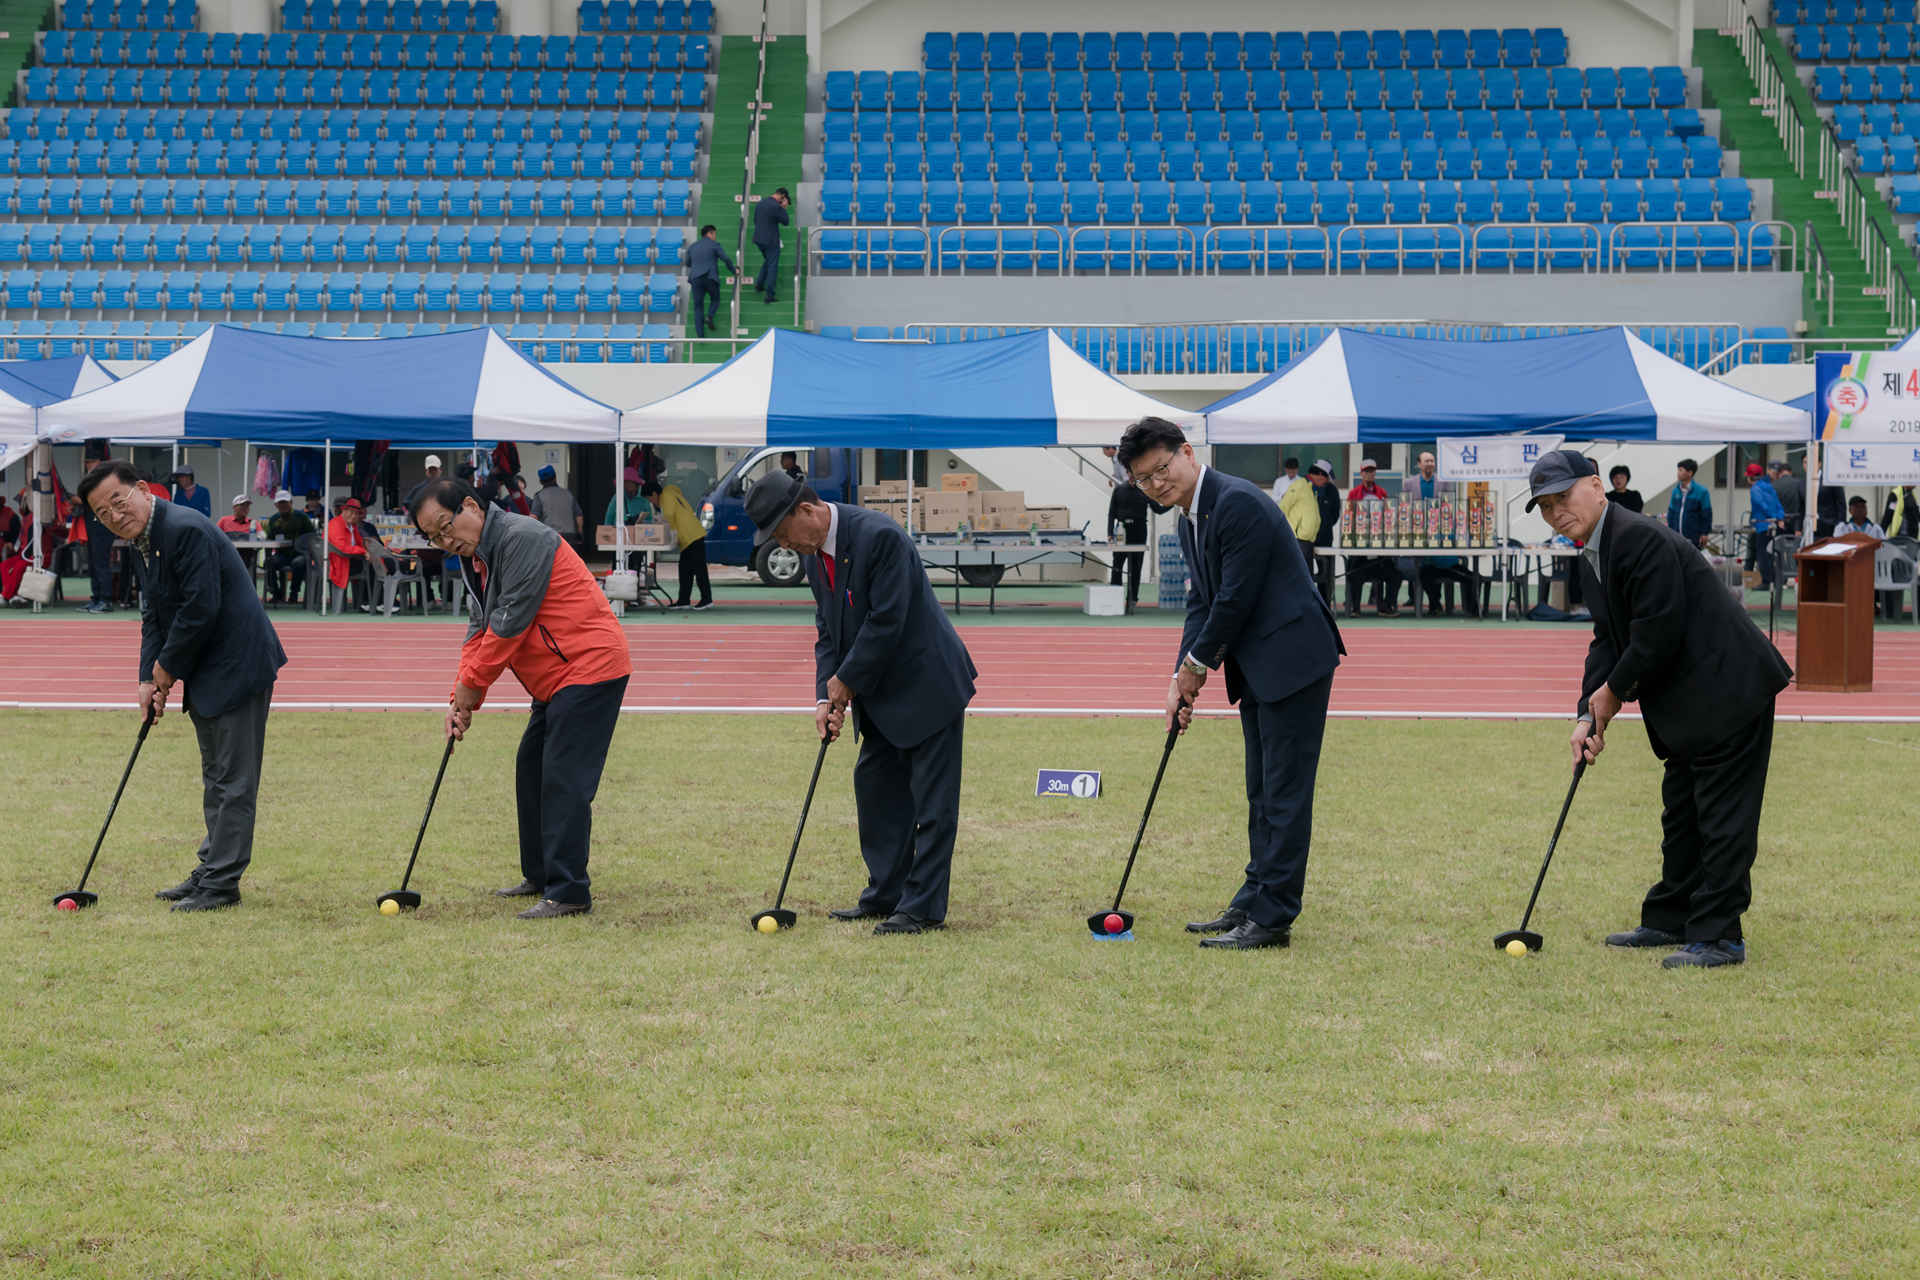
(231, 747)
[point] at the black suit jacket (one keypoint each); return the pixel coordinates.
(883, 633)
(1667, 633)
(1251, 602)
(199, 615)
(768, 217)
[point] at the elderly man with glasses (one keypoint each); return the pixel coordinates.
(1254, 616)
(201, 622)
(537, 611)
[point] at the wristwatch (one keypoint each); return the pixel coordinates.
(1197, 668)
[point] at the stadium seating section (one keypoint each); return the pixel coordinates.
(370, 169)
(1287, 50)
(1255, 348)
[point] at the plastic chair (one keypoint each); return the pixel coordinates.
(390, 577)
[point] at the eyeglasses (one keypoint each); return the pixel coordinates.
(1155, 478)
(120, 503)
(439, 536)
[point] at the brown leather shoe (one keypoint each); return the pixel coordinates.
(548, 909)
(525, 889)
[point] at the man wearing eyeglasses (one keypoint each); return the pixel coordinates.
(537, 611)
(1252, 615)
(201, 622)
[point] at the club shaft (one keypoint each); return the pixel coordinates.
(127, 773)
(1547, 861)
(434, 795)
(1173, 736)
(805, 805)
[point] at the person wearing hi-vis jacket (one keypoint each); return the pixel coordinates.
(537, 611)
(886, 648)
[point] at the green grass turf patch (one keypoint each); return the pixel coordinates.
(301, 1087)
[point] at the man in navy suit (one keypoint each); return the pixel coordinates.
(201, 622)
(886, 649)
(1253, 613)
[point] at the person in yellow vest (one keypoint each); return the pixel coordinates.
(678, 514)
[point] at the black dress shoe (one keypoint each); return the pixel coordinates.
(1707, 955)
(525, 889)
(208, 900)
(548, 909)
(1231, 918)
(1248, 936)
(182, 890)
(1643, 937)
(858, 913)
(901, 922)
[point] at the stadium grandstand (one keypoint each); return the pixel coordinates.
(1191, 204)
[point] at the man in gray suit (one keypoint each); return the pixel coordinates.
(703, 277)
(201, 622)
(768, 217)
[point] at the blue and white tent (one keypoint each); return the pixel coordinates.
(232, 383)
(39, 382)
(1029, 389)
(1601, 385)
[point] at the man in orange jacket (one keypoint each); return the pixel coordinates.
(535, 609)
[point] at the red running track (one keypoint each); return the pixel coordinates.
(1398, 671)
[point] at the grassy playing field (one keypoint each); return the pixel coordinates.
(302, 1087)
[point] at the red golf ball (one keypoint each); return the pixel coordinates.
(67, 904)
(1115, 924)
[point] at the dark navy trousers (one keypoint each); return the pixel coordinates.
(556, 777)
(909, 801)
(1283, 755)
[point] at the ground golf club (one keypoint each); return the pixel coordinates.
(782, 918)
(76, 898)
(403, 895)
(1100, 922)
(1534, 941)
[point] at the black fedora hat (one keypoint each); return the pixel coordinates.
(770, 500)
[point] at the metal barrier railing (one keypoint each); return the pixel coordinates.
(1801, 348)
(1820, 265)
(1395, 248)
(1261, 346)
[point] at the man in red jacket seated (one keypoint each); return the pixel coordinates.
(537, 611)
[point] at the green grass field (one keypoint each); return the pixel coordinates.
(300, 1087)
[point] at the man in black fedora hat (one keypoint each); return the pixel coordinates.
(886, 649)
(1667, 633)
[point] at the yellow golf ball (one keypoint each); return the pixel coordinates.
(1516, 948)
(389, 908)
(769, 925)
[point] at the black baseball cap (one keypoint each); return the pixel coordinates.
(1556, 472)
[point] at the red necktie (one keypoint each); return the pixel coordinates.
(826, 562)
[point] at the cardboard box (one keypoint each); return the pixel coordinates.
(636, 535)
(941, 512)
(1051, 519)
(895, 509)
(1105, 602)
(884, 491)
(1004, 510)
(960, 481)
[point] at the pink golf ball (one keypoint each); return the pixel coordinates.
(68, 904)
(1115, 924)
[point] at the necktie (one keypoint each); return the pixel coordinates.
(826, 563)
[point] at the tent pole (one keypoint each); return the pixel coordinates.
(910, 537)
(619, 513)
(326, 508)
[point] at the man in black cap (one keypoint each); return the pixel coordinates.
(886, 648)
(1666, 632)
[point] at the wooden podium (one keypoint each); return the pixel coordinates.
(1834, 647)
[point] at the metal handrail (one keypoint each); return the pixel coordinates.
(1823, 286)
(937, 265)
(756, 114)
